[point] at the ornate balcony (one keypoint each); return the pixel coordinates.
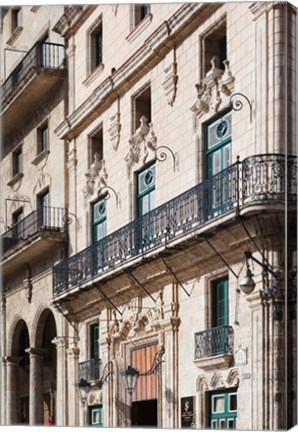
(256, 181)
(33, 234)
(34, 77)
(90, 370)
(214, 347)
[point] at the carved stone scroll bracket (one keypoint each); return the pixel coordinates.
(27, 283)
(161, 155)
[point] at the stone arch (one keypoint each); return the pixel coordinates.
(44, 330)
(13, 331)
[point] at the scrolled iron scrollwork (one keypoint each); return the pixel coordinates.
(105, 190)
(237, 104)
(161, 155)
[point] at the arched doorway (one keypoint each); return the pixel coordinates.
(18, 375)
(45, 333)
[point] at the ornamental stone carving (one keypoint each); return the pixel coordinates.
(214, 89)
(170, 83)
(115, 129)
(142, 144)
(96, 177)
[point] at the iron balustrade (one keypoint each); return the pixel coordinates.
(41, 55)
(214, 341)
(223, 192)
(90, 370)
(50, 218)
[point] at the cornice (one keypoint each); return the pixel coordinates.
(156, 46)
(259, 8)
(72, 19)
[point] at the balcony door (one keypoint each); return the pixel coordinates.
(220, 300)
(145, 203)
(43, 207)
(99, 231)
(219, 157)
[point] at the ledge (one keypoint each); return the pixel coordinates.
(139, 28)
(222, 361)
(14, 35)
(94, 74)
(15, 179)
(41, 156)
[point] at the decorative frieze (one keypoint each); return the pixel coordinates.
(96, 177)
(142, 144)
(214, 89)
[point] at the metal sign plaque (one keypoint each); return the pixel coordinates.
(187, 411)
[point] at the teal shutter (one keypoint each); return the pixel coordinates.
(223, 409)
(220, 295)
(99, 220)
(96, 419)
(94, 345)
(146, 190)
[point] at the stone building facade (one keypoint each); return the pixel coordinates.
(148, 166)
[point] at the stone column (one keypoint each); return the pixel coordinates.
(73, 399)
(12, 398)
(60, 415)
(36, 386)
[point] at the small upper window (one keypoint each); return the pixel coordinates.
(96, 145)
(140, 12)
(42, 138)
(16, 18)
(95, 42)
(142, 107)
(215, 45)
(17, 161)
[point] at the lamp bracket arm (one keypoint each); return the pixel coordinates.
(248, 255)
(156, 362)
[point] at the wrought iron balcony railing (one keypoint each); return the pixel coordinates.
(255, 179)
(90, 370)
(214, 341)
(42, 55)
(44, 218)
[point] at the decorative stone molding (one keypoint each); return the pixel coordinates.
(16, 181)
(14, 35)
(170, 83)
(43, 155)
(27, 284)
(72, 159)
(94, 396)
(222, 361)
(96, 177)
(212, 91)
(115, 129)
(218, 380)
(142, 144)
(43, 180)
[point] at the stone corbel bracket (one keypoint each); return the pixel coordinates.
(142, 145)
(170, 83)
(115, 129)
(214, 89)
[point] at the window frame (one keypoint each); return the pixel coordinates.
(99, 221)
(95, 147)
(40, 138)
(226, 414)
(17, 161)
(16, 18)
(95, 55)
(141, 93)
(217, 27)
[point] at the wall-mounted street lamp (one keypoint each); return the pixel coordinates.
(130, 375)
(83, 388)
(247, 284)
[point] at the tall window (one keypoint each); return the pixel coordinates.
(220, 302)
(223, 409)
(99, 220)
(219, 157)
(17, 161)
(43, 200)
(146, 190)
(42, 138)
(94, 344)
(95, 36)
(18, 226)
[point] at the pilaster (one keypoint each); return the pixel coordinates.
(12, 399)
(73, 400)
(36, 386)
(61, 409)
